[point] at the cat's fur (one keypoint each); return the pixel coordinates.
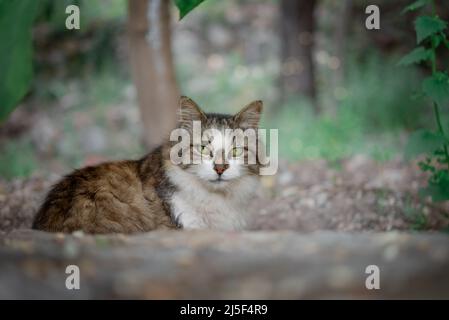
(153, 193)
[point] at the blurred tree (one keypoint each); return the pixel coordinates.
(342, 19)
(297, 39)
(152, 66)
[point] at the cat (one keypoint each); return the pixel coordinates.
(155, 193)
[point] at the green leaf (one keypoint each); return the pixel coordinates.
(16, 18)
(438, 191)
(415, 5)
(444, 40)
(437, 88)
(185, 6)
(417, 55)
(423, 141)
(436, 40)
(426, 26)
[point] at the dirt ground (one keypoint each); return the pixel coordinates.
(358, 195)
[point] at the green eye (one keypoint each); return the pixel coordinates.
(237, 152)
(203, 149)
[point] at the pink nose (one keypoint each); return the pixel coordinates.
(220, 168)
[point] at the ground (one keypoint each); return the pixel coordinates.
(315, 228)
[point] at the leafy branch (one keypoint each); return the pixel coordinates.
(430, 35)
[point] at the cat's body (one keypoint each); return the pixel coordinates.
(122, 197)
(154, 193)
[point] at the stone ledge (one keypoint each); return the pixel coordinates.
(215, 265)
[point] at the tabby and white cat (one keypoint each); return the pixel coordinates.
(154, 193)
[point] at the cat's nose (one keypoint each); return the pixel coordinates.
(220, 168)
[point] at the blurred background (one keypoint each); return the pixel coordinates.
(332, 87)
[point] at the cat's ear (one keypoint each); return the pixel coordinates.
(188, 112)
(249, 116)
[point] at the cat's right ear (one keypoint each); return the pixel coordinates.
(188, 112)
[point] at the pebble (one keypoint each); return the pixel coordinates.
(391, 252)
(71, 249)
(340, 277)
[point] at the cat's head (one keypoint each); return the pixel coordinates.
(226, 149)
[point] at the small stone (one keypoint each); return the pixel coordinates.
(340, 277)
(78, 234)
(285, 178)
(391, 252)
(71, 249)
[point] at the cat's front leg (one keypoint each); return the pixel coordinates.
(185, 216)
(190, 222)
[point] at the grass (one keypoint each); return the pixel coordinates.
(383, 94)
(373, 115)
(303, 135)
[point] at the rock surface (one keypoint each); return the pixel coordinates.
(213, 265)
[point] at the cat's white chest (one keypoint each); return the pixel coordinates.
(199, 209)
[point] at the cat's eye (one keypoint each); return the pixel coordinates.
(236, 152)
(203, 149)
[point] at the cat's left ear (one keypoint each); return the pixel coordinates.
(249, 116)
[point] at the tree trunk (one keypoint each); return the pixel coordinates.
(342, 17)
(297, 33)
(152, 67)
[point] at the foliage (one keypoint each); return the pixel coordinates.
(417, 55)
(380, 94)
(415, 5)
(424, 141)
(16, 22)
(436, 87)
(428, 26)
(430, 32)
(185, 6)
(16, 18)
